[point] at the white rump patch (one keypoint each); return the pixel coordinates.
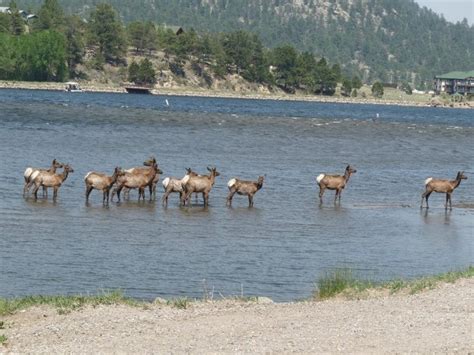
(34, 175)
(87, 175)
(130, 170)
(231, 183)
(427, 181)
(28, 172)
(166, 182)
(185, 179)
(320, 177)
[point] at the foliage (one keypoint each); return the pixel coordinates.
(342, 281)
(64, 304)
(17, 25)
(106, 31)
(377, 89)
(40, 56)
(406, 88)
(142, 36)
(346, 87)
(359, 34)
(50, 16)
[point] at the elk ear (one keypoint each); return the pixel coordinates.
(208, 168)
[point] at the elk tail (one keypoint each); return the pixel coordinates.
(231, 183)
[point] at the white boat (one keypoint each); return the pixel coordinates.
(72, 86)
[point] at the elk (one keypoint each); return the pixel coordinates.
(334, 182)
(100, 181)
(442, 186)
(30, 171)
(176, 185)
(153, 184)
(242, 187)
(53, 180)
(202, 184)
(138, 179)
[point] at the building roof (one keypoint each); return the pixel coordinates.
(456, 75)
(5, 10)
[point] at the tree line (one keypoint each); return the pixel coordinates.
(50, 47)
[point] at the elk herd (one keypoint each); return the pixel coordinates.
(148, 175)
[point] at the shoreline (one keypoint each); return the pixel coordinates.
(188, 92)
(435, 320)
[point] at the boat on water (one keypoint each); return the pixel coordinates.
(72, 86)
(138, 90)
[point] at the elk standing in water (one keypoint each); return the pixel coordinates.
(47, 179)
(138, 179)
(30, 171)
(242, 187)
(102, 182)
(334, 182)
(176, 185)
(142, 169)
(202, 184)
(443, 186)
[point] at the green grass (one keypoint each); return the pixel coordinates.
(342, 281)
(64, 304)
(3, 339)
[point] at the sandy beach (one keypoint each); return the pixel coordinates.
(440, 320)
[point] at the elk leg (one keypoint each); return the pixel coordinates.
(448, 198)
(426, 195)
(250, 200)
(105, 198)
(45, 191)
(321, 193)
(35, 191)
(205, 196)
(88, 191)
(164, 200)
(229, 197)
(55, 193)
(117, 190)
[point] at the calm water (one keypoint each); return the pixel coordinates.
(278, 248)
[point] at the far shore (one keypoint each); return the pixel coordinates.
(186, 91)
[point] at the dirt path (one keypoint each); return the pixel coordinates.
(439, 320)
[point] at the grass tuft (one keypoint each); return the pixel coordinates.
(3, 339)
(342, 281)
(64, 304)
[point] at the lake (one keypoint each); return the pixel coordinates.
(278, 248)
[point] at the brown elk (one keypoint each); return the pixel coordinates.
(53, 180)
(142, 169)
(442, 186)
(242, 187)
(334, 182)
(100, 181)
(199, 184)
(176, 185)
(139, 179)
(29, 172)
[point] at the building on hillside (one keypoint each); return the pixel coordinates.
(455, 82)
(24, 14)
(5, 10)
(177, 30)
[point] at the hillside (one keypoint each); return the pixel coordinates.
(382, 39)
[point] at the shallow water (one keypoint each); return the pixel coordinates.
(280, 247)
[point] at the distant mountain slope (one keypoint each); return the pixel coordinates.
(390, 40)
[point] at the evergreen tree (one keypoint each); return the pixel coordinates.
(107, 33)
(17, 24)
(146, 73)
(50, 16)
(133, 70)
(74, 32)
(377, 89)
